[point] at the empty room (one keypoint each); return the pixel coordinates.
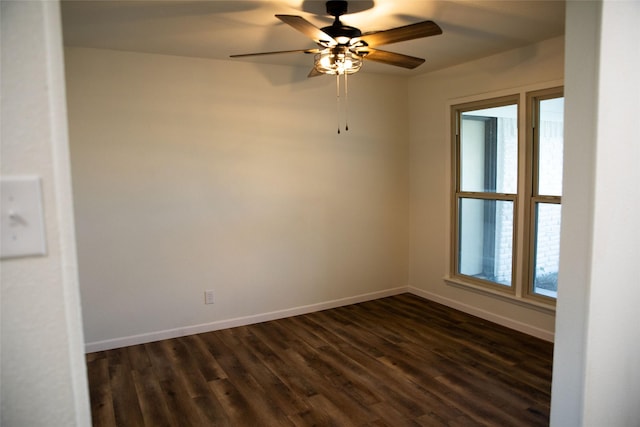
(422, 236)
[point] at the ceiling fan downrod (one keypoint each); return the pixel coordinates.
(337, 8)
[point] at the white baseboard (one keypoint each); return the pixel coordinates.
(295, 311)
(486, 315)
(238, 321)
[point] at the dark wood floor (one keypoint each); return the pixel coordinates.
(398, 361)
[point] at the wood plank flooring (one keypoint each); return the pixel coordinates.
(397, 361)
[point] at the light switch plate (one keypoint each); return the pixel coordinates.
(21, 217)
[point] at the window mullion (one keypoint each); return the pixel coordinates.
(528, 168)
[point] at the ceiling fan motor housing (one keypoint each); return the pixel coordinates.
(338, 31)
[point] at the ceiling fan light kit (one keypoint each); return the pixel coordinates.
(342, 49)
(337, 60)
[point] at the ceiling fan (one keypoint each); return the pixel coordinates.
(342, 48)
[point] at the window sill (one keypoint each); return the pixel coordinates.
(508, 297)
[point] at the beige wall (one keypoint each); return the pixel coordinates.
(430, 155)
(193, 174)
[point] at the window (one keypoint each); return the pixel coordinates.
(506, 196)
(546, 118)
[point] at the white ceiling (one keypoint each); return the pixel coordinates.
(216, 29)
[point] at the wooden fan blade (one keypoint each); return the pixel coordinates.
(314, 73)
(392, 58)
(400, 34)
(307, 28)
(276, 52)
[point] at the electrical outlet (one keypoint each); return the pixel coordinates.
(208, 297)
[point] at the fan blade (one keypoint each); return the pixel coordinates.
(307, 28)
(392, 58)
(314, 73)
(400, 34)
(276, 52)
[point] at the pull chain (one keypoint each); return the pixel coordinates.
(346, 100)
(346, 103)
(338, 99)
